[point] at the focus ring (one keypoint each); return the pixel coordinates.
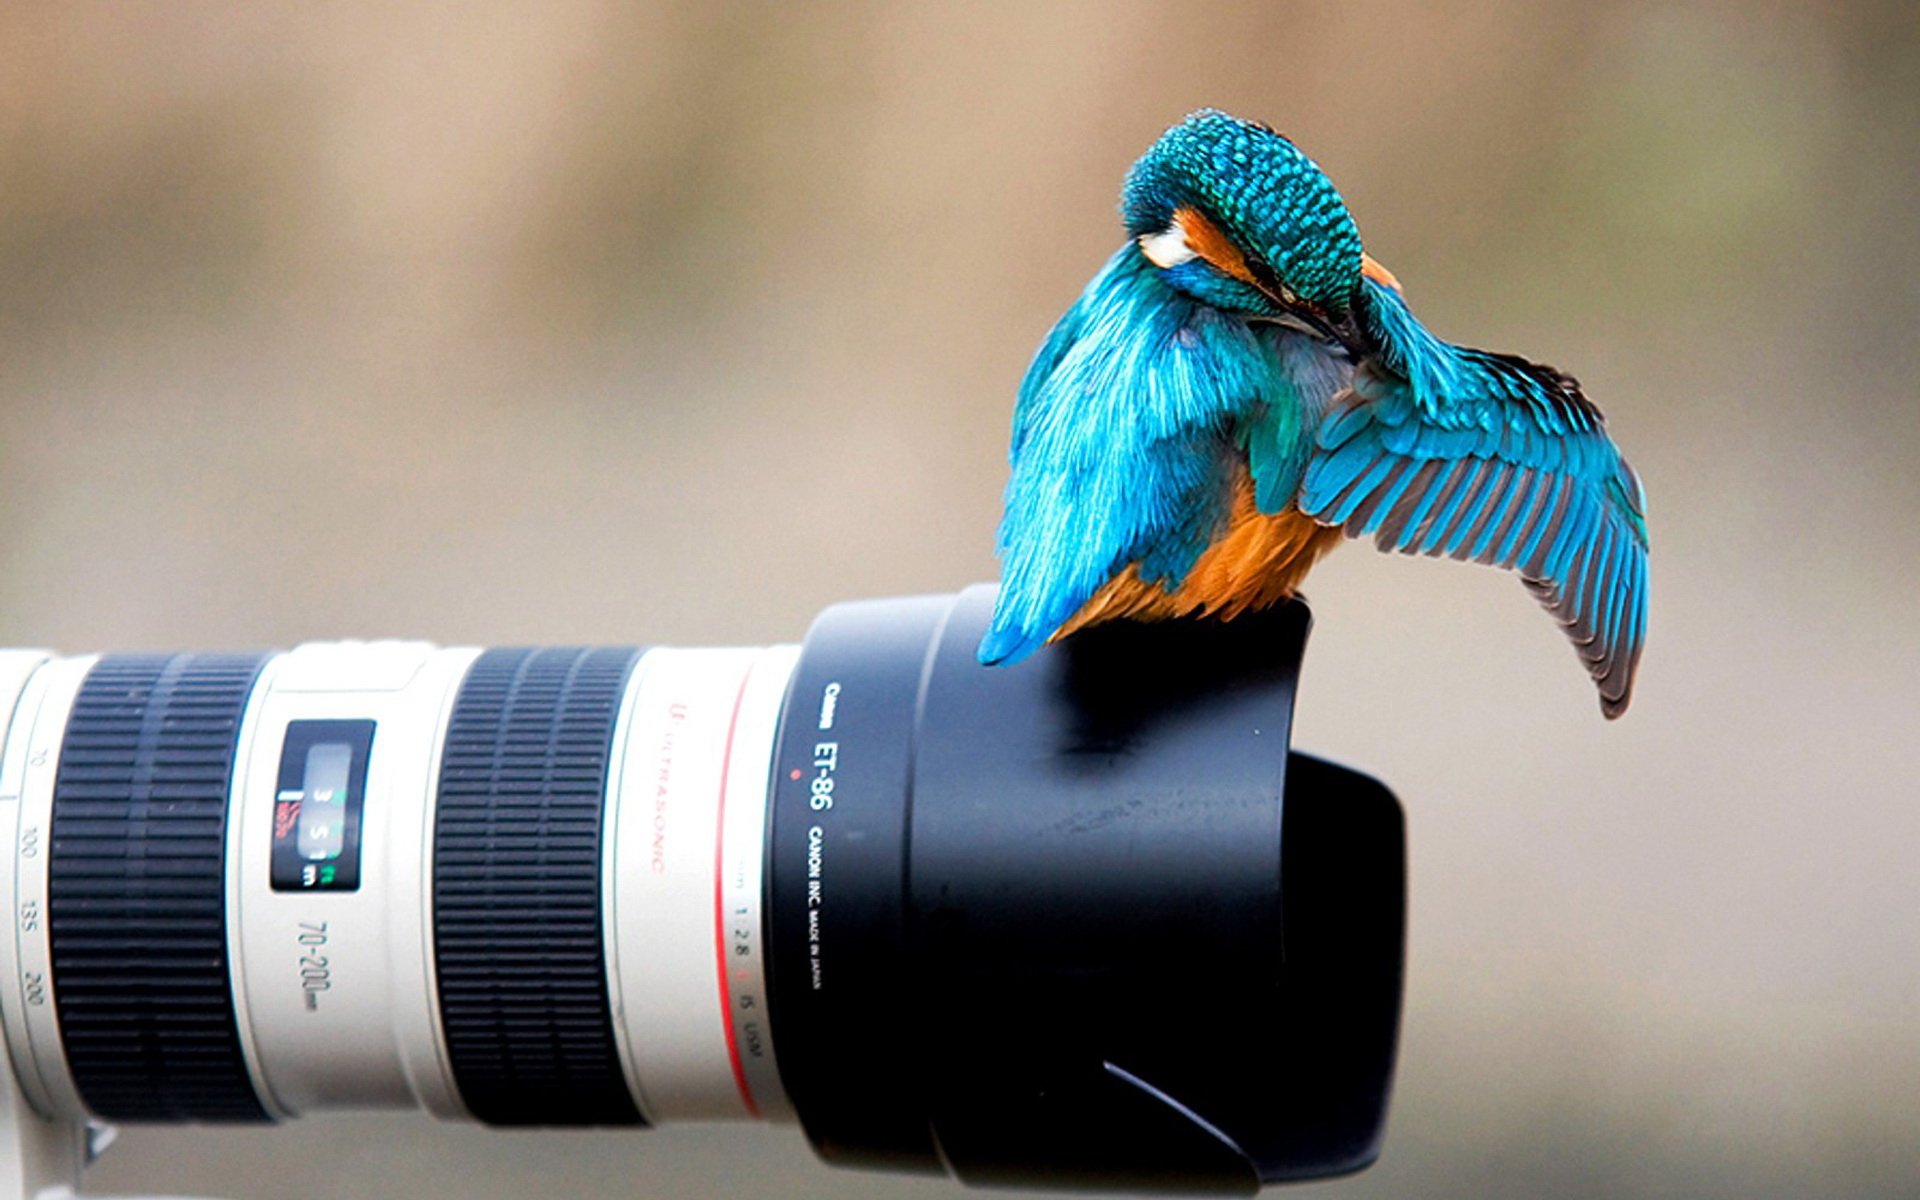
(516, 888)
(137, 888)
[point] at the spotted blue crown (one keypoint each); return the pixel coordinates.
(1256, 184)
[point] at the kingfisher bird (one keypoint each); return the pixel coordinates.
(1242, 385)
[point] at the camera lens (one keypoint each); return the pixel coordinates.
(1081, 922)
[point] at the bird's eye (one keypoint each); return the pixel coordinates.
(1263, 277)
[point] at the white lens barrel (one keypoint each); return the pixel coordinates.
(684, 882)
(39, 694)
(331, 860)
(335, 988)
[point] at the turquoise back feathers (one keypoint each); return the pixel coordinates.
(1241, 335)
(1123, 431)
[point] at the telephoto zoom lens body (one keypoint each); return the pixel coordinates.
(1082, 922)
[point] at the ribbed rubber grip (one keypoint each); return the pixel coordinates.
(516, 888)
(137, 888)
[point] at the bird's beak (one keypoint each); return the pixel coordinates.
(1346, 331)
(1343, 329)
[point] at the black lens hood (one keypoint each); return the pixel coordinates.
(1080, 922)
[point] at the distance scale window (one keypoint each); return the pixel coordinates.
(316, 808)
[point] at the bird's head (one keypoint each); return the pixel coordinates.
(1236, 217)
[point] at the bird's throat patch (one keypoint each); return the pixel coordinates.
(1191, 235)
(1212, 244)
(1168, 248)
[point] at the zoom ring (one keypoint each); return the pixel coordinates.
(517, 892)
(137, 888)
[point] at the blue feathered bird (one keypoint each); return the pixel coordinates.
(1241, 385)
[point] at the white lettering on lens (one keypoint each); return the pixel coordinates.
(816, 853)
(829, 700)
(816, 846)
(826, 760)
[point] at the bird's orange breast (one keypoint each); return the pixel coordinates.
(1258, 559)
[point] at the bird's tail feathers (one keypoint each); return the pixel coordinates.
(1006, 644)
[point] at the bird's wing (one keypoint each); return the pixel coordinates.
(1123, 445)
(1513, 468)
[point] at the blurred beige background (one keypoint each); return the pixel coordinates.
(607, 322)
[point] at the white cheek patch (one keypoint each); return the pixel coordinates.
(1168, 248)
